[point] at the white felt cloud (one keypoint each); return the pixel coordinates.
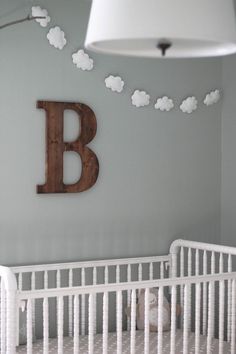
(140, 98)
(212, 97)
(115, 83)
(189, 105)
(56, 37)
(164, 104)
(82, 60)
(38, 11)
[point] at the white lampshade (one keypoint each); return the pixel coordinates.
(190, 28)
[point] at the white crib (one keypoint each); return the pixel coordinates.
(80, 307)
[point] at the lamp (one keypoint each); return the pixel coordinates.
(156, 28)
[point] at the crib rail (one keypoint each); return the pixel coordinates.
(87, 273)
(216, 283)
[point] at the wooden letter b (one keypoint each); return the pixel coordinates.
(55, 147)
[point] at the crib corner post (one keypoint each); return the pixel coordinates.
(174, 249)
(11, 322)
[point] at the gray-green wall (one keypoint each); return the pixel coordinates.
(159, 172)
(228, 191)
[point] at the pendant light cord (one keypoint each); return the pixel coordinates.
(28, 18)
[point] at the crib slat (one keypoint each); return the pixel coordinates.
(151, 271)
(133, 322)
(95, 300)
(70, 304)
(60, 320)
(146, 322)
(197, 262)
(190, 289)
(45, 326)
(128, 294)
(29, 327)
(221, 317)
(204, 307)
(233, 319)
(76, 324)
(221, 266)
(181, 275)
(197, 318)
(160, 321)
(20, 281)
(186, 319)
(229, 300)
(105, 324)
(173, 320)
(106, 275)
(162, 270)
(45, 279)
(33, 301)
(210, 317)
(3, 318)
(58, 276)
(91, 324)
(83, 303)
(119, 322)
(140, 272)
(189, 262)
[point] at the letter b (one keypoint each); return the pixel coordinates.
(55, 147)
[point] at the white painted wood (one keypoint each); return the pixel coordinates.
(76, 324)
(221, 317)
(70, 304)
(45, 279)
(210, 317)
(29, 327)
(181, 287)
(33, 301)
(233, 324)
(197, 318)
(204, 312)
(128, 295)
(100, 288)
(229, 299)
(151, 271)
(119, 322)
(173, 319)
(105, 324)
(45, 326)
(146, 322)
(83, 303)
(186, 319)
(60, 321)
(133, 322)
(3, 318)
(160, 321)
(162, 270)
(197, 262)
(91, 325)
(95, 301)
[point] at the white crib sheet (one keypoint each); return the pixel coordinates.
(68, 344)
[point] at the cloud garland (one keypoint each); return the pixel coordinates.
(189, 105)
(56, 38)
(164, 104)
(82, 60)
(114, 83)
(140, 98)
(37, 11)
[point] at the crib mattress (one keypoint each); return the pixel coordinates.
(68, 344)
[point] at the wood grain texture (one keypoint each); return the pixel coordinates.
(55, 147)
